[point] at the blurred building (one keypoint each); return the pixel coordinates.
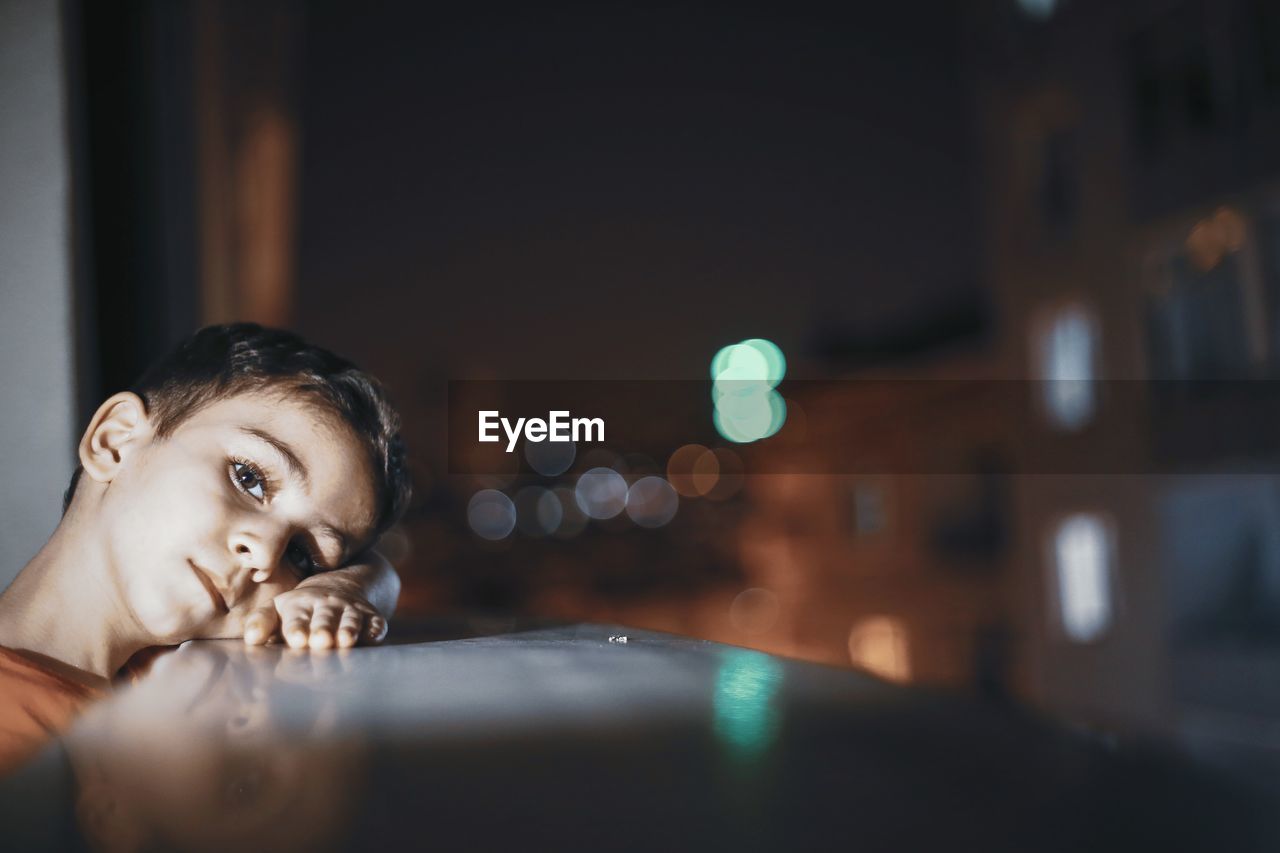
(1112, 552)
(1132, 243)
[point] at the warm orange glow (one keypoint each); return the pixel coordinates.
(1203, 246)
(706, 472)
(1213, 237)
(879, 644)
(1232, 227)
(754, 611)
(264, 218)
(729, 480)
(681, 469)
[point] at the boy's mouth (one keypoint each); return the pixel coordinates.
(219, 600)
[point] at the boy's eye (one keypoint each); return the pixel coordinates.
(298, 554)
(249, 479)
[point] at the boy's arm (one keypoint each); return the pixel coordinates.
(341, 607)
(372, 576)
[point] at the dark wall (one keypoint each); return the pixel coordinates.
(618, 191)
(131, 98)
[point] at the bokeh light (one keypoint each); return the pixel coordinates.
(879, 644)
(775, 361)
(601, 493)
(706, 472)
(729, 480)
(754, 611)
(550, 458)
(538, 511)
(491, 514)
(652, 502)
(720, 362)
(748, 411)
(681, 468)
(740, 399)
(743, 363)
(777, 413)
(747, 406)
(572, 519)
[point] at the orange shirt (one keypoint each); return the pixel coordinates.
(36, 704)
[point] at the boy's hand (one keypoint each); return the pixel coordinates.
(320, 615)
(337, 608)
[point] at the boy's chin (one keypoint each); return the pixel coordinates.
(173, 629)
(172, 620)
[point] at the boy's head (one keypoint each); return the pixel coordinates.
(240, 463)
(218, 362)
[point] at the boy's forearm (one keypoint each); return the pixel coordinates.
(372, 576)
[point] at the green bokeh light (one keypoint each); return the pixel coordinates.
(721, 360)
(744, 363)
(775, 361)
(748, 411)
(746, 717)
(739, 398)
(747, 408)
(729, 429)
(777, 413)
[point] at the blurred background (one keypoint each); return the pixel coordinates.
(1079, 191)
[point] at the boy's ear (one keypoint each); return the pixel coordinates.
(118, 427)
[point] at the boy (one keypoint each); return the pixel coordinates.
(236, 491)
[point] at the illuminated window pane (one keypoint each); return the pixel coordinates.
(879, 644)
(1067, 354)
(1082, 563)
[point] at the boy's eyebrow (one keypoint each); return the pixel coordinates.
(300, 471)
(295, 464)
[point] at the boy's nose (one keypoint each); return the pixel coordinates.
(257, 554)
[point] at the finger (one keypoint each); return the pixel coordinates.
(375, 630)
(260, 625)
(323, 624)
(349, 627)
(297, 627)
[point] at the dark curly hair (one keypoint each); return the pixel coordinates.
(218, 362)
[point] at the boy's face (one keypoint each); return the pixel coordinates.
(242, 501)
